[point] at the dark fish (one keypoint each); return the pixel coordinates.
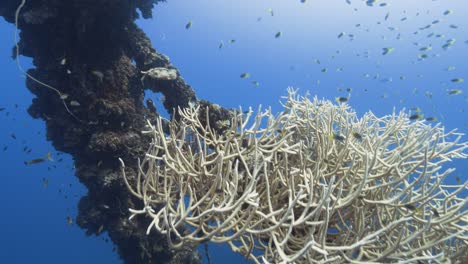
(189, 25)
(416, 117)
(13, 136)
(454, 91)
(278, 34)
(385, 51)
(245, 75)
(431, 119)
(2, 108)
(371, 2)
(436, 214)
(411, 207)
(34, 161)
(69, 220)
(335, 136)
(150, 105)
(341, 99)
(45, 182)
(357, 136)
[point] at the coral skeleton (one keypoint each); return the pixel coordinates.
(312, 184)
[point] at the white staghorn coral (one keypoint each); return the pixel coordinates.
(313, 184)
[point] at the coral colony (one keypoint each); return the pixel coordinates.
(313, 184)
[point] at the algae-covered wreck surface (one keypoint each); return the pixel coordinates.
(92, 56)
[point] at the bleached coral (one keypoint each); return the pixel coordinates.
(313, 184)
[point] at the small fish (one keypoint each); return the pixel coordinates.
(256, 83)
(334, 136)
(341, 35)
(150, 105)
(74, 103)
(447, 12)
(2, 108)
(98, 75)
(45, 182)
(270, 11)
(458, 180)
(349, 90)
(49, 156)
(387, 50)
(34, 161)
(371, 2)
(448, 44)
(69, 220)
(411, 207)
(455, 91)
(386, 16)
(221, 44)
(13, 136)
(431, 119)
(231, 41)
(435, 212)
(453, 26)
(189, 25)
(427, 48)
(324, 70)
(457, 80)
(277, 35)
(450, 68)
(341, 99)
(416, 117)
(245, 75)
(357, 136)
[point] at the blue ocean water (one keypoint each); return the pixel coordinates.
(325, 47)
